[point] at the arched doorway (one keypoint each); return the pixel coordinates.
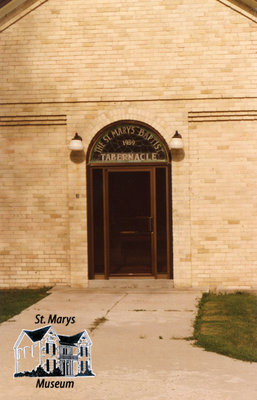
(129, 201)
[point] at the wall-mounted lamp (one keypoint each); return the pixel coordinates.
(176, 142)
(76, 143)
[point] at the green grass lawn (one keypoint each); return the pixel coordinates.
(227, 324)
(13, 301)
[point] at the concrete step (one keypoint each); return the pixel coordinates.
(132, 283)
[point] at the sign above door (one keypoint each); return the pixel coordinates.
(128, 142)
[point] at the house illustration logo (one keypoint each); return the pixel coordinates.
(42, 353)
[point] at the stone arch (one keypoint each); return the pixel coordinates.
(125, 113)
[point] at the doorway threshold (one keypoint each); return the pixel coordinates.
(129, 283)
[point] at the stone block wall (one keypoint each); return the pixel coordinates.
(175, 65)
(34, 239)
(124, 50)
(223, 201)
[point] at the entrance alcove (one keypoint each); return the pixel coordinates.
(129, 203)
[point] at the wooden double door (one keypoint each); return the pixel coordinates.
(129, 222)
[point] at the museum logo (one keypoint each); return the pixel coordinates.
(43, 353)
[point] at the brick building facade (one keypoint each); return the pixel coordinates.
(81, 66)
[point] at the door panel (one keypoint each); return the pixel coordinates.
(98, 220)
(130, 223)
(161, 220)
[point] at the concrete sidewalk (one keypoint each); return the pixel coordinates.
(139, 353)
